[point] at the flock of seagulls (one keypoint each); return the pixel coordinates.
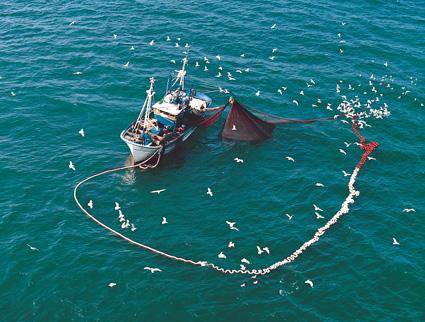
(346, 107)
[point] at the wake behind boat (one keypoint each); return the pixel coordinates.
(160, 127)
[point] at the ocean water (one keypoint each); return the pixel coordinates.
(358, 273)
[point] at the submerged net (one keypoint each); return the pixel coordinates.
(247, 124)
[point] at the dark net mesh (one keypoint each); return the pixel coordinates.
(247, 124)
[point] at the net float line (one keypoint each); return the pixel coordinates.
(353, 193)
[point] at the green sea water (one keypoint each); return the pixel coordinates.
(358, 274)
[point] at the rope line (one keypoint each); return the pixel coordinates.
(353, 193)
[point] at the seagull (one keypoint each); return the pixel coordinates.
(295, 102)
(242, 267)
(259, 250)
(395, 242)
(318, 184)
(238, 160)
(302, 93)
(164, 221)
(339, 35)
(280, 91)
(284, 88)
(126, 64)
(272, 57)
(267, 250)
(317, 208)
(168, 38)
(152, 269)
(346, 174)
(133, 228)
(231, 78)
(309, 282)
(218, 57)
(232, 225)
(318, 216)
(273, 27)
(117, 206)
(186, 45)
(342, 151)
(151, 43)
(121, 217)
(409, 210)
(72, 23)
(242, 55)
(234, 127)
(274, 50)
(132, 48)
(173, 61)
(245, 261)
(112, 284)
(257, 93)
(243, 285)
(115, 36)
(386, 64)
(231, 244)
(177, 45)
(290, 159)
(77, 73)
(196, 64)
(205, 68)
(158, 191)
(90, 204)
(255, 282)
(312, 81)
(371, 158)
(341, 50)
(12, 93)
(125, 224)
(221, 255)
(347, 144)
(218, 75)
(81, 132)
(289, 216)
(209, 192)
(71, 166)
(32, 247)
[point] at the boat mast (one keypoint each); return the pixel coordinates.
(182, 74)
(147, 103)
(150, 93)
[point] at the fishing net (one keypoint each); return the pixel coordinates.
(247, 124)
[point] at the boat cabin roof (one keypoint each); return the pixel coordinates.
(168, 108)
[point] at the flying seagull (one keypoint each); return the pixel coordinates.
(158, 191)
(152, 269)
(309, 282)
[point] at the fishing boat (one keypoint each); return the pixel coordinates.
(160, 127)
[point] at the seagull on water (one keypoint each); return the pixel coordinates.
(81, 132)
(32, 247)
(409, 210)
(205, 68)
(318, 184)
(346, 174)
(133, 227)
(280, 91)
(196, 64)
(71, 166)
(245, 261)
(173, 61)
(274, 50)
(342, 151)
(257, 93)
(164, 221)
(309, 282)
(232, 225)
(259, 250)
(90, 204)
(289, 216)
(386, 64)
(221, 255)
(151, 43)
(126, 64)
(158, 191)
(152, 269)
(272, 57)
(238, 160)
(218, 57)
(317, 208)
(242, 55)
(231, 244)
(72, 23)
(168, 38)
(77, 73)
(209, 192)
(395, 242)
(115, 36)
(295, 102)
(318, 216)
(132, 48)
(218, 75)
(117, 206)
(302, 93)
(112, 284)
(273, 27)
(290, 159)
